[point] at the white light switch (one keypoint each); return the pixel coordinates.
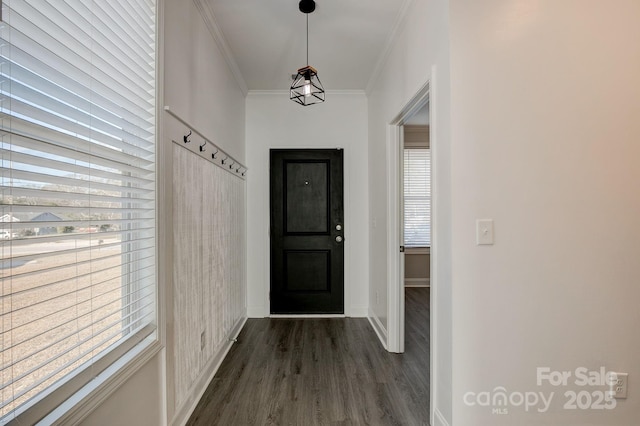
(618, 384)
(484, 232)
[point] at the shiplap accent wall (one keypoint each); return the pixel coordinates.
(209, 289)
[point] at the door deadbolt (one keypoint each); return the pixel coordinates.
(338, 227)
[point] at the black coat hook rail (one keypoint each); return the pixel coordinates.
(218, 156)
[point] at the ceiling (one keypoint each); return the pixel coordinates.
(267, 39)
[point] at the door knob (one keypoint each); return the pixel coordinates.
(339, 239)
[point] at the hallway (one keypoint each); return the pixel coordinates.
(322, 372)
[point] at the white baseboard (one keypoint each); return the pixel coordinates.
(302, 316)
(438, 419)
(378, 328)
(353, 312)
(197, 390)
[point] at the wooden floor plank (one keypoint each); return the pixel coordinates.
(322, 372)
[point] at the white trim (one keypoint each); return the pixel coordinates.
(395, 307)
(400, 230)
(165, 262)
(347, 270)
(433, 273)
(393, 239)
(395, 257)
(218, 36)
(302, 316)
(386, 51)
(164, 216)
(413, 105)
(381, 332)
(222, 159)
(266, 258)
(353, 312)
(183, 412)
(438, 419)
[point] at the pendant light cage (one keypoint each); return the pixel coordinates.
(306, 88)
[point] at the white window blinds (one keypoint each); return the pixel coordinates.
(77, 218)
(417, 197)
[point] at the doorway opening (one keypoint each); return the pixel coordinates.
(307, 231)
(415, 230)
(419, 111)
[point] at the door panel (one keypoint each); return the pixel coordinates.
(314, 264)
(307, 231)
(307, 196)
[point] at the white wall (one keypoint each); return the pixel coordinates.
(199, 86)
(273, 121)
(137, 402)
(421, 44)
(545, 141)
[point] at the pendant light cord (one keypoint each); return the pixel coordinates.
(307, 39)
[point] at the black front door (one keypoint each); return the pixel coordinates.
(307, 231)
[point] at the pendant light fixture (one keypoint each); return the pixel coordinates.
(306, 88)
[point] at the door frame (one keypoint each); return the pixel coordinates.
(395, 262)
(395, 259)
(335, 161)
(266, 260)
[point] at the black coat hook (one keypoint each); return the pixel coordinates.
(214, 154)
(202, 149)
(185, 138)
(225, 160)
(231, 165)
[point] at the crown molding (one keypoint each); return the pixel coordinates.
(212, 25)
(384, 55)
(286, 92)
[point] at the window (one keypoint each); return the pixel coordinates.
(417, 197)
(77, 193)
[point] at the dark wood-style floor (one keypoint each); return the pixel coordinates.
(322, 372)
